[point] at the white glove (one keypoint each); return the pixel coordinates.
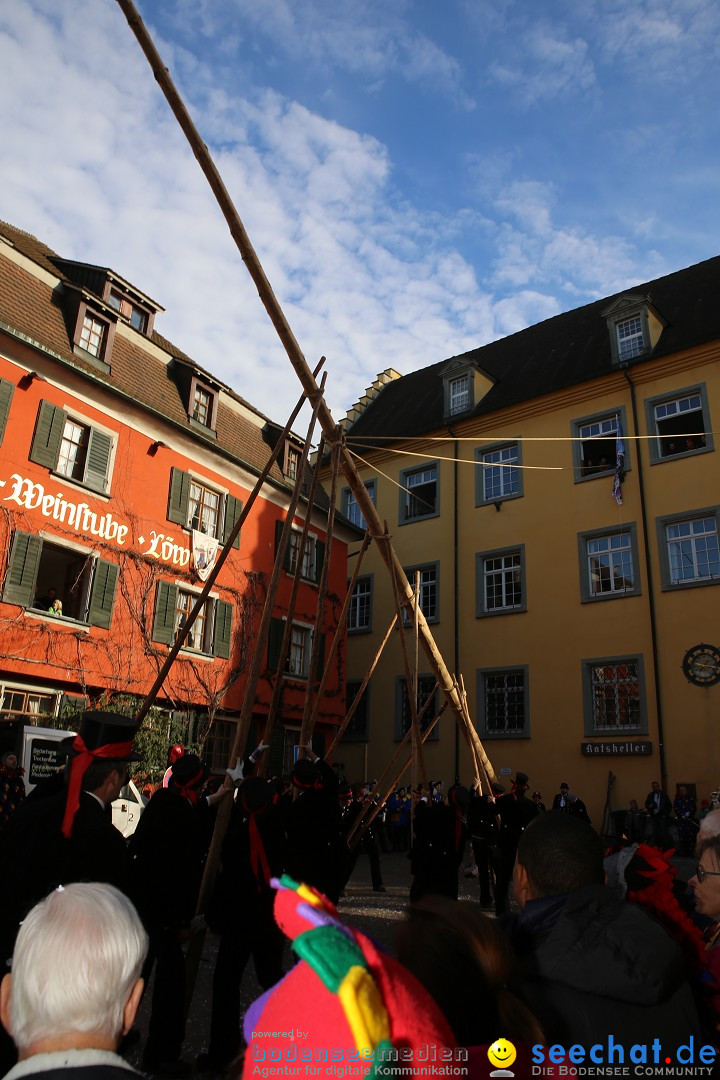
(260, 749)
(309, 752)
(198, 924)
(236, 774)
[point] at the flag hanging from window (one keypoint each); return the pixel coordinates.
(619, 465)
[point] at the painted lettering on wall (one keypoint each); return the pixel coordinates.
(79, 516)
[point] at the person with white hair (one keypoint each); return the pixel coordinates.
(709, 827)
(75, 984)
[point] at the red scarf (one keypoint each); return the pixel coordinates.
(79, 766)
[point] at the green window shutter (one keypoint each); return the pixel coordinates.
(102, 593)
(319, 557)
(320, 659)
(277, 628)
(22, 569)
(48, 433)
(6, 392)
(279, 526)
(222, 633)
(98, 460)
(233, 509)
(164, 617)
(179, 496)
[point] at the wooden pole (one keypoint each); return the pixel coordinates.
(287, 630)
(358, 697)
(219, 562)
(393, 761)
(292, 348)
(306, 728)
(337, 636)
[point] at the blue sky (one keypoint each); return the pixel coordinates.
(418, 178)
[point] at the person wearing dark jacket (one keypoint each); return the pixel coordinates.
(168, 850)
(241, 910)
(516, 812)
(367, 844)
(484, 828)
(441, 834)
(593, 965)
(317, 852)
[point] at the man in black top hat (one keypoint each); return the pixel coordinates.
(516, 812)
(168, 850)
(317, 851)
(69, 836)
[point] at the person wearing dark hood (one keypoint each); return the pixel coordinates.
(441, 834)
(594, 967)
(168, 850)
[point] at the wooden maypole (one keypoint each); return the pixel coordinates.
(330, 430)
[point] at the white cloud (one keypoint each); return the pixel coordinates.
(545, 64)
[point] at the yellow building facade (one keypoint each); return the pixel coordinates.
(585, 626)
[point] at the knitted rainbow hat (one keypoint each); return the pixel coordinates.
(344, 1001)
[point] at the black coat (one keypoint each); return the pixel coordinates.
(317, 852)
(168, 851)
(593, 966)
(37, 858)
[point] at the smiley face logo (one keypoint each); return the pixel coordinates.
(502, 1053)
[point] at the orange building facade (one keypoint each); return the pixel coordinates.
(124, 466)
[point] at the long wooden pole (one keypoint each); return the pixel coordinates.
(292, 348)
(306, 728)
(287, 630)
(358, 697)
(219, 562)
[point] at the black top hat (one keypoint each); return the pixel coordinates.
(189, 771)
(521, 779)
(305, 773)
(256, 794)
(99, 730)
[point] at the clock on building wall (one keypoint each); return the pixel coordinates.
(701, 664)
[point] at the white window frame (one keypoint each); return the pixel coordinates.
(350, 508)
(660, 410)
(496, 564)
(615, 549)
(497, 468)
(459, 394)
(421, 476)
(359, 620)
(429, 588)
(205, 489)
(600, 427)
(709, 518)
(631, 340)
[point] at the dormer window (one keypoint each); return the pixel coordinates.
(93, 335)
(293, 456)
(634, 327)
(203, 405)
(631, 341)
(459, 394)
(464, 386)
(137, 318)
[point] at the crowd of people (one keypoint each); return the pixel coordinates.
(596, 943)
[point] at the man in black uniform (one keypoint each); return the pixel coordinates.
(482, 820)
(516, 812)
(317, 851)
(367, 844)
(69, 836)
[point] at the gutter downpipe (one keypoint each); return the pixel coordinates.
(651, 592)
(456, 576)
